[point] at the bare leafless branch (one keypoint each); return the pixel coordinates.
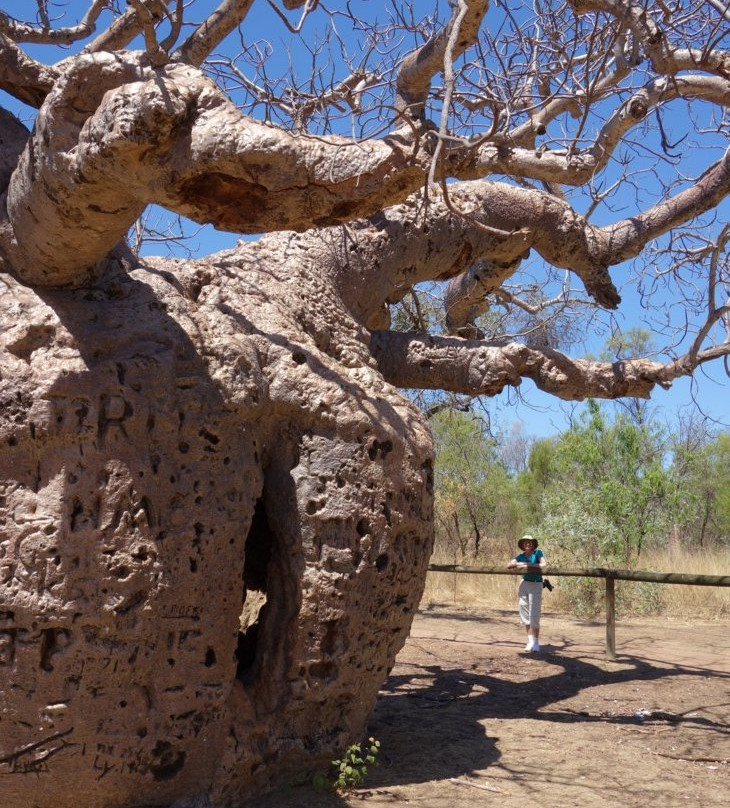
(418, 68)
(721, 7)
(176, 21)
(309, 6)
(628, 236)
(126, 27)
(23, 32)
(208, 35)
(450, 52)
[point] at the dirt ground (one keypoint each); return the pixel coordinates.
(467, 718)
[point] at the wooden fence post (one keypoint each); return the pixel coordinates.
(610, 617)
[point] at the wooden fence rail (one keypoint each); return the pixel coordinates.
(610, 576)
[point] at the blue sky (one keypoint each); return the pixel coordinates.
(541, 414)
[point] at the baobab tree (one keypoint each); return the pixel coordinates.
(215, 504)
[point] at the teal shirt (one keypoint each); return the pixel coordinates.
(531, 559)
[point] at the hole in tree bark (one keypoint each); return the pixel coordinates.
(259, 544)
(166, 761)
(53, 641)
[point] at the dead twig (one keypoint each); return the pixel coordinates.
(481, 786)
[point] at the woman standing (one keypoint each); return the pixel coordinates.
(530, 593)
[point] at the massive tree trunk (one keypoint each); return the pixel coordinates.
(216, 518)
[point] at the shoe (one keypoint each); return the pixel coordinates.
(535, 646)
(530, 645)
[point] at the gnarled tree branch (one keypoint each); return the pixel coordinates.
(379, 260)
(170, 136)
(475, 367)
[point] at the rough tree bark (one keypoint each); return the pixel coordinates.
(215, 504)
(181, 445)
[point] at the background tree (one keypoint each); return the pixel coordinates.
(475, 501)
(621, 466)
(173, 428)
(700, 494)
(628, 345)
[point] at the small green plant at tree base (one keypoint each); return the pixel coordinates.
(351, 769)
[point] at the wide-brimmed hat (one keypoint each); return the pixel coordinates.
(521, 542)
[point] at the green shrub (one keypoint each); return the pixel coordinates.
(350, 771)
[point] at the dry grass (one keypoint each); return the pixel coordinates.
(693, 601)
(669, 600)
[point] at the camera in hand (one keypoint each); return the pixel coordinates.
(547, 585)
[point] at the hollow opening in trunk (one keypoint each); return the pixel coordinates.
(258, 549)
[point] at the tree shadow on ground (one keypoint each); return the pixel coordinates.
(430, 720)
